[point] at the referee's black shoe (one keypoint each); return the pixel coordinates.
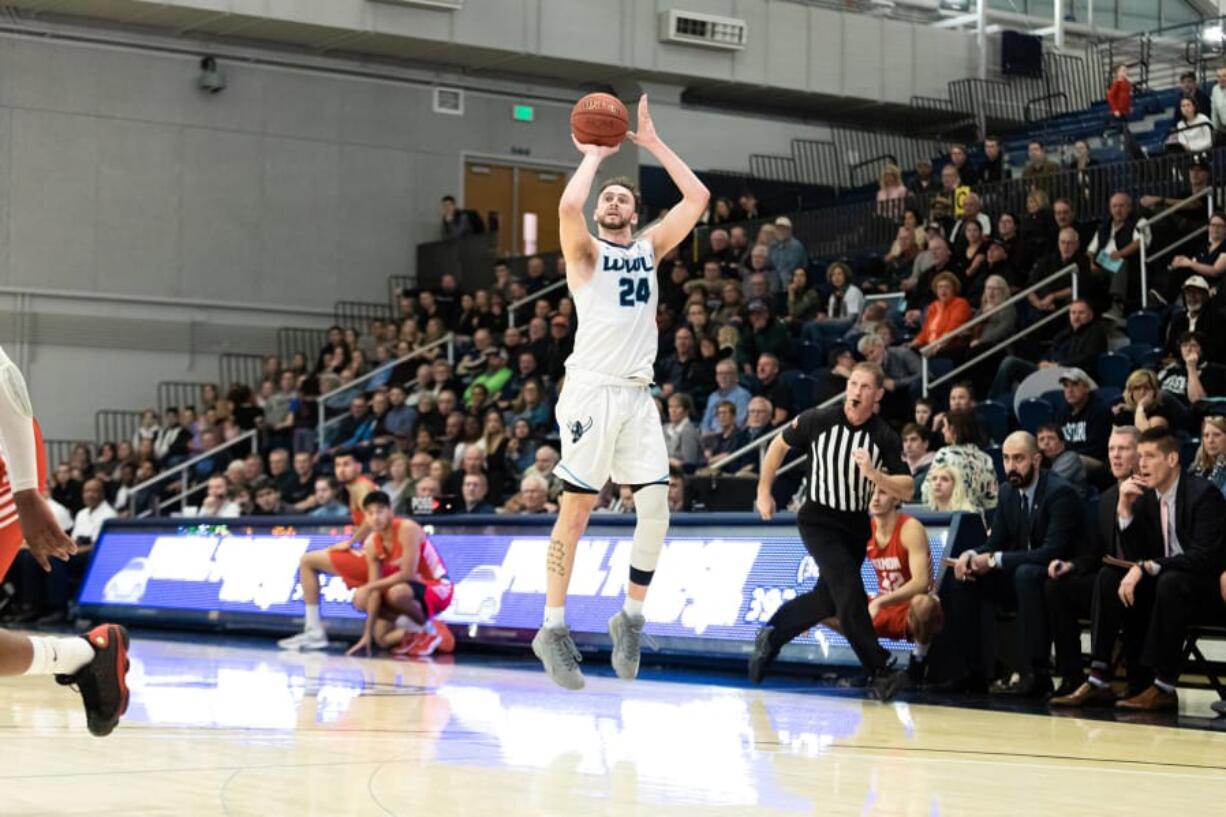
(763, 656)
(888, 682)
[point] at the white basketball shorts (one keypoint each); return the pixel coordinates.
(609, 428)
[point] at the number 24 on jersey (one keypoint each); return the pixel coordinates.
(632, 293)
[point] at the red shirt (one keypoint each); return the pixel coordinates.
(1119, 97)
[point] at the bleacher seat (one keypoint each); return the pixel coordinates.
(994, 418)
(1033, 413)
(1187, 451)
(1110, 394)
(1113, 369)
(1142, 327)
(804, 389)
(809, 357)
(998, 461)
(1143, 355)
(1055, 399)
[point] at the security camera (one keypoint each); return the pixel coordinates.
(212, 80)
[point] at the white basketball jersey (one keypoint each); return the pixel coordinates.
(616, 309)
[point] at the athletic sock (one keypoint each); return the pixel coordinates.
(59, 655)
(1163, 685)
(920, 651)
(1098, 674)
(555, 616)
(633, 607)
(313, 622)
(408, 625)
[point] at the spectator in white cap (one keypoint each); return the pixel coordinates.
(1197, 316)
(1084, 419)
(787, 253)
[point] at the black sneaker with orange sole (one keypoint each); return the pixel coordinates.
(103, 682)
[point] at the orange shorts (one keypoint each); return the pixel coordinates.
(11, 537)
(891, 621)
(350, 565)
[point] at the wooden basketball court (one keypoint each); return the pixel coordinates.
(245, 730)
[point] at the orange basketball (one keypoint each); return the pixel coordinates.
(599, 119)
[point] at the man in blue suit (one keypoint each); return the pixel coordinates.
(1038, 519)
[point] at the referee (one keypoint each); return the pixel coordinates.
(851, 451)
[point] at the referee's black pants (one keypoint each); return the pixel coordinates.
(839, 592)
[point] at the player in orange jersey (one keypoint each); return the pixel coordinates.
(340, 559)
(96, 663)
(905, 607)
(408, 585)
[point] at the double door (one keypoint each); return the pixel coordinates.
(503, 193)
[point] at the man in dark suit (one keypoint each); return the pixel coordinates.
(1069, 590)
(1170, 526)
(1038, 519)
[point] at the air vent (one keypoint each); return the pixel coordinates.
(449, 101)
(437, 5)
(704, 30)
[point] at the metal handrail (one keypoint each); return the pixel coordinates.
(1194, 234)
(766, 438)
(536, 296)
(183, 467)
(1004, 344)
(1145, 231)
(1043, 98)
(448, 339)
(980, 318)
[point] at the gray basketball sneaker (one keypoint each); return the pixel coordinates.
(626, 633)
(553, 645)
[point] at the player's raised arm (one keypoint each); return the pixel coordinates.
(578, 246)
(675, 226)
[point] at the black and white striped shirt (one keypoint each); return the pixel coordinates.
(835, 482)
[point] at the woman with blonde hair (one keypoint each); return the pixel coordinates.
(1144, 405)
(891, 193)
(1210, 461)
(947, 493)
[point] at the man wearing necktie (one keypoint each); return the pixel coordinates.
(1039, 519)
(1172, 526)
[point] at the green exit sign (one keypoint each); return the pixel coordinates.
(523, 113)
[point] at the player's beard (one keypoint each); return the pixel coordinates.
(612, 221)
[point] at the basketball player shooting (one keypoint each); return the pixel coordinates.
(608, 420)
(96, 663)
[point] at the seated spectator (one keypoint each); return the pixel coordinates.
(945, 315)
(1092, 285)
(760, 279)
(1040, 520)
(495, 377)
(473, 491)
(1210, 266)
(148, 428)
(298, 487)
(756, 427)
(1038, 225)
(891, 193)
(521, 447)
(946, 492)
(999, 326)
(1084, 419)
(1210, 460)
(767, 383)
(787, 253)
(971, 261)
(533, 497)
(902, 367)
(727, 437)
(1143, 404)
(1061, 461)
(95, 511)
(994, 169)
(678, 500)
(171, 445)
(397, 477)
(1111, 251)
(268, 499)
(923, 182)
(219, 502)
(709, 287)
(472, 362)
(972, 212)
(1038, 167)
(1192, 132)
(899, 262)
(832, 381)
(681, 436)
(962, 452)
(931, 263)
(532, 406)
(357, 428)
(727, 388)
(731, 306)
(846, 301)
(544, 465)
(916, 455)
(1197, 317)
(1076, 347)
(1193, 378)
(765, 333)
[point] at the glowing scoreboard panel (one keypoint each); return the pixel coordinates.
(720, 577)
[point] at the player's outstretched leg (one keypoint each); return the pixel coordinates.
(552, 643)
(312, 636)
(626, 627)
(95, 663)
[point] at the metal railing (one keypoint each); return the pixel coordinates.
(1145, 231)
(183, 470)
(533, 298)
(395, 285)
(238, 367)
(765, 439)
(927, 349)
(357, 315)
(178, 393)
(113, 425)
(447, 340)
(60, 451)
(292, 340)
